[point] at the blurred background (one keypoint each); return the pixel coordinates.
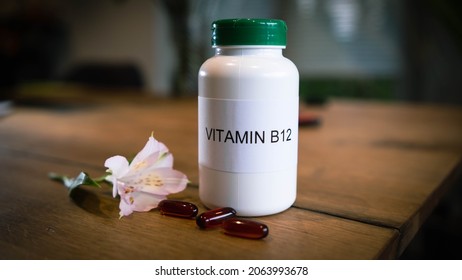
(374, 49)
(387, 50)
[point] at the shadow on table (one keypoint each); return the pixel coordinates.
(99, 204)
(440, 238)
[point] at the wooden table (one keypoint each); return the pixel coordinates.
(368, 177)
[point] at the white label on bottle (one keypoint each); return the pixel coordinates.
(248, 136)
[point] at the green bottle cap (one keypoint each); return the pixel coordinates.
(246, 32)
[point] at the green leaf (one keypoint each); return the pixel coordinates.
(84, 179)
(71, 183)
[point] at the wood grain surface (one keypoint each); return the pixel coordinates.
(368, 178)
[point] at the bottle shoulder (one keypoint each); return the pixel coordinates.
(223, 65)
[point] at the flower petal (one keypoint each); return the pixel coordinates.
(161, 181)
(151, 147)
(145, 201)
(132, 200)
(147, 180)
(165, 160)
(126, 208)
(148, 162)
(118, 166)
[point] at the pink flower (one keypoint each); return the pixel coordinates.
(147, 180)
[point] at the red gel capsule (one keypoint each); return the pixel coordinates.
(245, 228)
(177, 208)
(308, 120)
(215, 217)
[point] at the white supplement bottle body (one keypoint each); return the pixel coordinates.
(248, 124)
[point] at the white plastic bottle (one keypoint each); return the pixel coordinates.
(248, 119)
